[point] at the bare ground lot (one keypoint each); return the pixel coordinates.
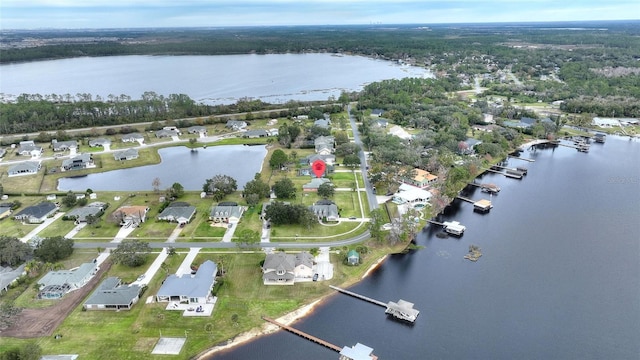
(33, 323)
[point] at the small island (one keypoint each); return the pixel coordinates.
(474, 253)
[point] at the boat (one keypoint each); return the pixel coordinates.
(490, 188)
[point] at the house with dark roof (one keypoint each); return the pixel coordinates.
(236, 124)
(126, 154)
(29, 148)
(377, 112)
(100, 142)
(133, 137)
(57, 146)
(38, 213)
(131, 215)
(283, 269)
(9, 275)
(111, 294)
(24, 168)
(80, 215)
(179, 212)
(254, 134)
(55, 284)
(325, 210)
(78, 162)
(324, 145)
(226, 213)
(190, 289)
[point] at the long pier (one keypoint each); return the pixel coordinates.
(361, 297)
(465, 199)
(520, 158)
(513, 176)
(304, 335)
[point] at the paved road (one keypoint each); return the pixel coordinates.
(371, 196)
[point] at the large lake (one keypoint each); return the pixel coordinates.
(179, 164)
(208, 79)
(559, 277)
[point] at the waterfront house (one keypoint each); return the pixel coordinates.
(198, 130)
(78, 162)
(357, 352)
(325, 210)
(111, 294)
(100, 142)
(353, 257)
(70, 145)
(283, 269)
(38, 213)
(254, 134)
(167, 132)
(314, 184)
(236, 125)
(421, 179)
(226, 212)
(127, 154)
(133, 137)
(9, 275)
(468, 146)
(130, 215)
(303, 265)
(29, 148)
(79, 215)
(324, 145)
(179, 212)
(55, 284)
(24, 168)
(190, 289)
(411, 194)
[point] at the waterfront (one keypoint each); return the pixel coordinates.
(559, 277)
(275, 78)
(179, 164)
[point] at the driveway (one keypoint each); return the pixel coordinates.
(41, 227)
(324, 267)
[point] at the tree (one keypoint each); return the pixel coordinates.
(70, 199)
(375, 224)
(326, 190)
(220, 186)
(13, 251)
(284, 189)
(278, 158)
(175, 191)
(247, 237)
(352, 160)
(255, 190)
(54, 249)
(131, 253)
(341, 137)
(156, 184)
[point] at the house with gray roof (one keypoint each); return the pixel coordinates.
(325, 210)
(328, 159)
(29, 148)
(322, 123)
(111, 294)
(377, 112)
(9, 275)
(78, 162)
(163, 133)
(381, 123)
(133, 137)
(324, 144)
(38, 213)
(24, 168)
(196, 129)
(190, 289)
(126, 154)
(226, 213)
(55, 284)
(57, 146)
(5, 210)
(100, 142)
(254, 134)
(283, 269)
(467, 147)
(179, 212)
(94, 209)
(314, 184)
(236, 124)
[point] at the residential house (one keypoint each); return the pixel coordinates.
(58, 146)
(303, 268)
(131, 215)
(353, 257)
(78, 162)
(411, 194)
(198, 130)
(24, 168)
(488, 118)
(29, 148)
(100, 142)
(9, 275)
(164, 133)
(314, 184)
(173, 129)
(111, 294)
(381, 123)
(127, 154)
(236, 125)
(179, 212)
(5, 210)
(516, 124)
(325, 210)
(273, 132)
(55, 284)
(468, 146)
(254, 134)
(421, 179)
(133, 137)
(95, 209)
(38, 213)
(190, 289)
(324, 145)
(377, 112)
(226, 212)
(357, 352)
(322, 123)
(486, 128)
(283, 269)
(328, 159)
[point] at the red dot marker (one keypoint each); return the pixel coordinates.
(318, 168)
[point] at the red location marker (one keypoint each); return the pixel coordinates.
(318, 168)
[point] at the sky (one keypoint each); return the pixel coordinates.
(74, 14)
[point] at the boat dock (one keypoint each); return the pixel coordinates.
(451, 227)
(359, 349)
(480, 205)
(402, 310)
(513, 176)
(517, 170)
(519, 158)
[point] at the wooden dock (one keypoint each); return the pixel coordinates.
(402, 310)
(304, 334)
(519, 158)
(361, 297)
(482, 205)
(513, 176)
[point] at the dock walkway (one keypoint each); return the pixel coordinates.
(361, 297)
(304, 334)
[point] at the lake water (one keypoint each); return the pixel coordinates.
(179, 164)
(559, 277)
(208, 79)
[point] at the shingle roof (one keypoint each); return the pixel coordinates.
(110, 292)
(24, 167)
(62, 277)
(38, 211)
(198, 285)
(8, 275)
(175, 213)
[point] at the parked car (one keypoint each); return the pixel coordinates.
(315, 277)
